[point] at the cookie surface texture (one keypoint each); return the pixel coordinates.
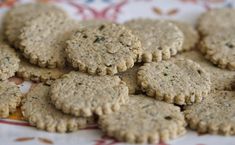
(83, 95)
(144, 120)
(215, 115)
(174, 81)
(10, 97)
(43, 40)
(219, 48)
(160, 39)
(9, 61)
(38, 109)
(104, 49)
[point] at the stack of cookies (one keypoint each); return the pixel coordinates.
(143, 81)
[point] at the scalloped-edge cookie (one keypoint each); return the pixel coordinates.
(144, 120)
(160, 39)
(179, 81)
(16, 18)
(219, 48)
(40, 112)
(221, 79)
(10, 97)
(105, 49)
(9, 61)
(43, 39)
(215, 115)
(81, 94)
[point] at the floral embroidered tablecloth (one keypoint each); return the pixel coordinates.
(16, 131)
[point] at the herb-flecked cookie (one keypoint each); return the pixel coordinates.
(103, 49)
(9, 61)
(160, 39)
(31, 72)
(174, 81)
(16, 18)
(191, 36)
(81, 94)
(215, 115)
(130, 78)
(38, 109)
(221, 79)
(42, 40)
(144, 120)
(216, 20)
(10, 97)
(219, 48)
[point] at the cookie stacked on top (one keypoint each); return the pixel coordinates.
(132, 76)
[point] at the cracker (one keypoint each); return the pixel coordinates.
(221, 79)
(160, 39)
(216, 20)
(10, 97)
(16, 18)
(9, 61)
(42, 40)
(80, 94)
(144, 120)
(219, 48)
(215, 115)
(174, 81)
(38, 109)
(104, 49)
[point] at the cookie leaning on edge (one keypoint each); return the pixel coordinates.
(144, 120)
(103, 49)
(10, 97)
(174, 81)
(160, 39)
(38, 109)
(215, 115)
(81, 94)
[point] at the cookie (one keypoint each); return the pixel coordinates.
(144, 120)
(80, 94)
(219, 48)
(221, 79)
(160, 39)
(16, 17)
(10, 97)
(93, 23)
(191, 36)
(215, 115)
(216, 20)
(42, 40)
(37, 74)
(130, 78)
(40, 112)
(104, 49)
(9, 61)
(175, 81)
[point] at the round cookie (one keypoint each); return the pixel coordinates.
(16, 17)
(103, 49)
(160, 39)
(216, 20)
(80, 94)
(9, 61)
(10, 97)
(130, 78)
(215, 115)
(191, 36)
(175, 81)
(221, 79)
(42, 40)
(37, 74)
(38, 109)
(144, 120)
(219, 48)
